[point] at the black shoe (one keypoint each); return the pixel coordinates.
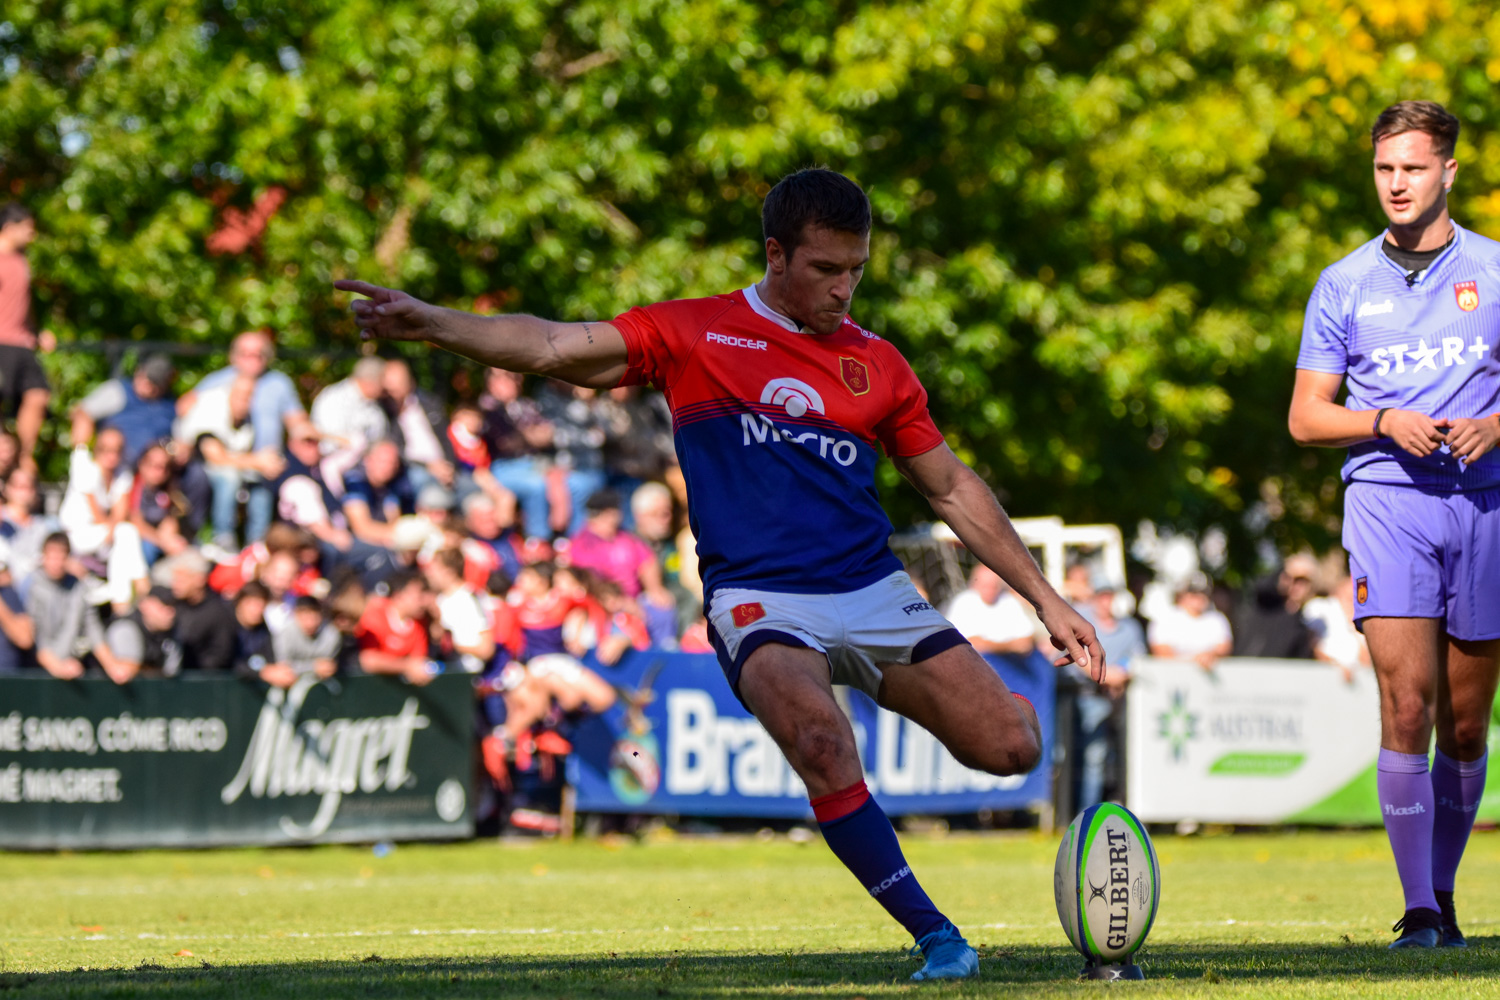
(1452, 936)
(1419, 928)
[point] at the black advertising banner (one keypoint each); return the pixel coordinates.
(197, 762)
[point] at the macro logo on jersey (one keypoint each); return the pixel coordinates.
(856, 376)
(1467, 293)
(747, 614)
(1362, 589)
(793, 395)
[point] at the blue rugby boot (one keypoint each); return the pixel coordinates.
(948, 955)
(1419, 928)
(1452, 936)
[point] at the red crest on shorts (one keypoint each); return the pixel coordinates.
(1362, 589)
(856, 376)
(1467, 293)
(747, 614)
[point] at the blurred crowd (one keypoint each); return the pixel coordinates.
(527, 536)
(1302, 610)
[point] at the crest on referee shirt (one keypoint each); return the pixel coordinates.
(1362, 589)
(1467, 293)
(856, 375)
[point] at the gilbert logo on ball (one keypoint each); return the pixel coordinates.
(1107, 883)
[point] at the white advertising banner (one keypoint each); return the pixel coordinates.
(1251, 741)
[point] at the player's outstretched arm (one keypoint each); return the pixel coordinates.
(1316, 418)
(591, 354)
(962, 499)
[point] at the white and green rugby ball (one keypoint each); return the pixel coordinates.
(1107, 883)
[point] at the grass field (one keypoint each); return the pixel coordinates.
(1281, 915)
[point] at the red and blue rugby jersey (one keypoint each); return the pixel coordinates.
(776, 432)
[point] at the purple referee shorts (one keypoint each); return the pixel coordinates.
(1420, 554)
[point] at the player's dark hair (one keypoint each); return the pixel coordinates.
(308, 602)
(1418, 116)
(14, 211)
(58, 538)
(813, 197)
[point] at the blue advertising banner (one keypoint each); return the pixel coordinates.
(679, 742)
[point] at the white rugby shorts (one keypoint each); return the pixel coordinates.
(886, 622)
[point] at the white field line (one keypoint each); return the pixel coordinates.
(615, 932)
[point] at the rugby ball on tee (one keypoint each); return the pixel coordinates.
(1107, 883)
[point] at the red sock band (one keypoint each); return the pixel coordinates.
(1022, 697)
(837, 805)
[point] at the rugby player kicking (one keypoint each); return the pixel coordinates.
(778, 401)
(1411, 321)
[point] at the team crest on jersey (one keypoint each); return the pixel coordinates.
(747, 614)
(856, 375)
(1362, 589)
(1467, 293)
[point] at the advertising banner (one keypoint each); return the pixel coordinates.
(680, 742)
(1256, 741)
(197, 762)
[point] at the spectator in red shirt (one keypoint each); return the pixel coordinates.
(392, 633)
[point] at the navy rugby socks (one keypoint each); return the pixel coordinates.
(1456, 788)
(1406, 806)
(860, 835)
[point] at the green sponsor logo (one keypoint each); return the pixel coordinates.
(1177, 725)
(1257, 765)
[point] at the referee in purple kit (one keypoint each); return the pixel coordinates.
(1410, 321)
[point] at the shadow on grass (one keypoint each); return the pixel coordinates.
(1028, 969)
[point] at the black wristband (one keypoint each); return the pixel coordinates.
(1380, 413)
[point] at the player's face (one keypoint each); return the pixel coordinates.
(816, 284)
(1412, 179)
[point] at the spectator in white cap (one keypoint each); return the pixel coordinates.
(1193, 629)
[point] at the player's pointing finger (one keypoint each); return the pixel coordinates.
(359, 287)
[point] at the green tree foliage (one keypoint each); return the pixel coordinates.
(1097, 223)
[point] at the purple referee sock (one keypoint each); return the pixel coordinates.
(859, 834)
(1456, 788)
(1406, 805)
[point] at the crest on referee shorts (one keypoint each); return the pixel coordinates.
(1362, 589)
(856, 375)
(1467, 293)
(747, 614)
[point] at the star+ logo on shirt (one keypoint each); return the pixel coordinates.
(1452, 349)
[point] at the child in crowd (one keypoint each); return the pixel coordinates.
(459, 612)
(308, 645)
(252, 637)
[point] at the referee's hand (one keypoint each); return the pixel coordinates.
(1416, 433)
(1470, 438)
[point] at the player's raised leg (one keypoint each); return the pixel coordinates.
(1406, 653)
(1465, 697)
(958, 697)
(789, 691)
